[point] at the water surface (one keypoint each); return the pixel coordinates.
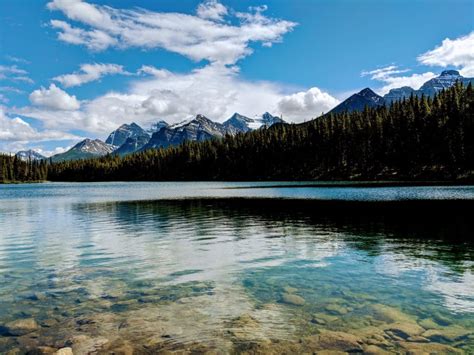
(237, 266)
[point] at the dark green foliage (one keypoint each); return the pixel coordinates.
(418, 138)
(13, 169)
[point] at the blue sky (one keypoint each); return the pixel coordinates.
(71, 68)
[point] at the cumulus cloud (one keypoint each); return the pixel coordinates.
(457, 52)
(16, 130)
(49, 152)
(216, 91)
(54, 98)
(212, 10)
(392, 79)
(306, 105)
(200, 37)
(88, 73)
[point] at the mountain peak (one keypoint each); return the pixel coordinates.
(367, 92)
(450, 73)
(29, 154)
(120, 135)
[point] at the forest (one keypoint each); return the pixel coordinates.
(417, 139)
(14, 169)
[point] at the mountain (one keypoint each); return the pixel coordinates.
(367, 97)
(155, 127)
(120, 135)
(445, 80)
(397, 94)
(132, 145)
(359, 101)
(88, 148)
(241, 124)
(29, 155)
(198, 129)
(265, 120)
(130, 138)
(238, 123)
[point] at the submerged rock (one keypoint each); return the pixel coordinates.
(428, 348)
(404, 330)
(293, 299)
(20, 327)
(374, 350)
(450, 333)
(64, 351)
(330, 340)
(390, 314)
(429, 323)
(289, 289)
(336, 309)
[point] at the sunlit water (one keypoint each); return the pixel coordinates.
(236, 266)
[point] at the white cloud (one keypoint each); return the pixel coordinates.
(195, 37)
(11, 89)
(14, 59)
(306, 105)
(49, 153)
(54, 98)
(88, 73)
(13, 73)
(95, 39)
(212, 10)
(457, 52)
(214, 90)
(15, 131)
(391, 78)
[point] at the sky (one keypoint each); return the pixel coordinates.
(71, 69)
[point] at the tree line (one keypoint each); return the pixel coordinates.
(418, 138)
(13, 169)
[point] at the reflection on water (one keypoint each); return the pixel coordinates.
(83, 269)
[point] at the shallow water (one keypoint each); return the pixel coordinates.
(236, 266)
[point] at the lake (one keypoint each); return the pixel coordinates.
(236, 268)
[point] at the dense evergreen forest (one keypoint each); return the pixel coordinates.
(416, 139)
(419, 138)
(13, 169)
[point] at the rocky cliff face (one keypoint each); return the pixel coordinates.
(125, 131)
(88, 148)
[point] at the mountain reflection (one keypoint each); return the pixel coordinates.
(220, 238)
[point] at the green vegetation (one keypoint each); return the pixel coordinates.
(13, 169)
(415, 139)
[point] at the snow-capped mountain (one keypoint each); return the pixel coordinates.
(120, 135)
(445, 80)
(359, 101)
(130, 138)
(198, 129)
(29, 155)
(201, 128)
(88, 148)
(239, 123)
(367, 97)
(155, 127)
(265, 120)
